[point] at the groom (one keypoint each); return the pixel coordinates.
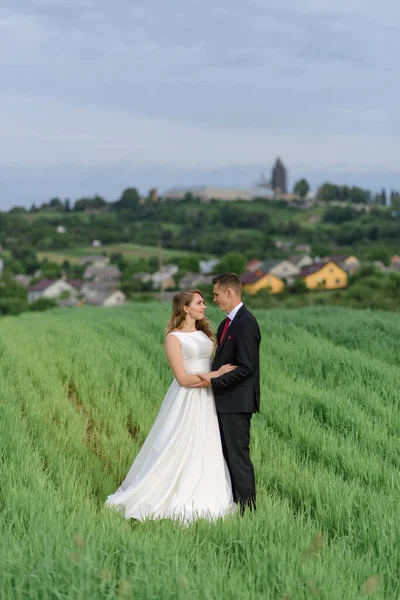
(237, 394)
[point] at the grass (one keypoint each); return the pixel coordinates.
(79, 391)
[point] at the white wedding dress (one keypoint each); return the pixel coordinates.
(180, 472)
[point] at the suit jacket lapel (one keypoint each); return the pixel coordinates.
(230, 329)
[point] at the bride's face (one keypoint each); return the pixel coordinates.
(196, 308)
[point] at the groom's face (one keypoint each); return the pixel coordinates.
(222, 297)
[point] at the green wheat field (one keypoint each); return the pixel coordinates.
(79, 391)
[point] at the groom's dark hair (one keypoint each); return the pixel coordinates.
(229, 280)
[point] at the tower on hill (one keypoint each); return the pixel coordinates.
(279, 177)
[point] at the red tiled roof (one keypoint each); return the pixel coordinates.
(41, 285)
(253, 264)
(251, 277)
(315, 267)
(310, 269)
(76, 283)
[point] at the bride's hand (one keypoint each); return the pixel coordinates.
(226, 369)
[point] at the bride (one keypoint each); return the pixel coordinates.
(180, 472)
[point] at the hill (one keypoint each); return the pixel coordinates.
(255, 228)
(79, 392)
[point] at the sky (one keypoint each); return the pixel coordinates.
(98, 96)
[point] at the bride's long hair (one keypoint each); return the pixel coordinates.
(178, 316)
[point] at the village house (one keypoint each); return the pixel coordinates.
(327, 276)
(254, 264)
(192, 280)
(53, 288)
(349, 263)
(108, 298)
(68, 302)
(97, 259)
(23, 279)
(303, 248)
(282, 269)
(208, 266)
(284, 245)
(395, 262)
(300, 260)
(102, 273)
(142, 276)
(254, 281)
(165, 277)
(91, 289)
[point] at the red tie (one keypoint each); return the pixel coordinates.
(225, 329)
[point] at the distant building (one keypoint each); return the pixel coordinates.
(164, 278)
(24, 280)
(328, 276)
(153, 194)
(98, 260)
(100, 273)
(91, 289)
(206, 193)
(191, 281)
(279, 177)
(53, 288)
(303, 248)
(254, 264)
(107, 298)
(254, 281)
(207, 266)
(301, 260)
(282, 269)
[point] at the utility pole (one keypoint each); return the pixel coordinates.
(160, 266)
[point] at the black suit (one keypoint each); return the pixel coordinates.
(237, 396)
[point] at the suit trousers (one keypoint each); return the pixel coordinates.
(235, 438)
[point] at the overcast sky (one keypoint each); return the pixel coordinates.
(96, 95)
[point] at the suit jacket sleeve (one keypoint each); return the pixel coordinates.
(247, 359)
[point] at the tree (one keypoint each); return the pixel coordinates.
(381, 254)
(56, 204)
(188, 197)
(89, 203)
(189, 264)
(232, 262)
(358, 195)
(327, 192)
(129, 199)
(299, 286)
(13, 306)
(338, 214)
(43, 304)
(301, 188)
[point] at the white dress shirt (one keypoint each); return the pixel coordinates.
(234, 312)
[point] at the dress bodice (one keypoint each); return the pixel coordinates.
(197, 350)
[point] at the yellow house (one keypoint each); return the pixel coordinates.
(349, 263)
(325, 276)
(258, 280)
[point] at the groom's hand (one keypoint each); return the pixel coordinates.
(204, 383)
